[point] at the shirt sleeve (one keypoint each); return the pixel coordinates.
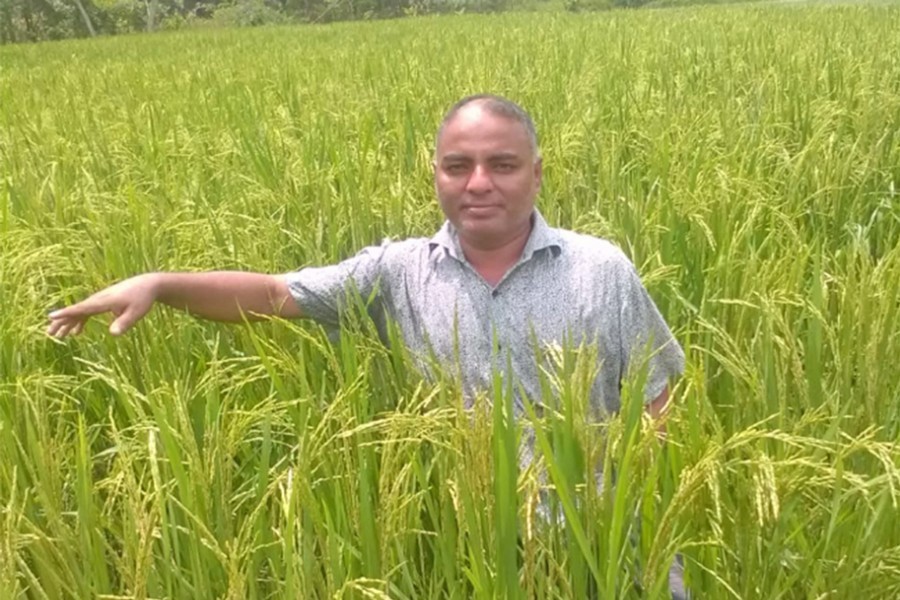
(322, 293)
(646, 340)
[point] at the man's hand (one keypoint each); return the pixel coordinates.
(128, 300)
(229, 296)
(656, 410)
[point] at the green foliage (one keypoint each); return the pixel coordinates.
(675, 3)
(588, 5)
(747, 160)
(123, 16)
(247, 13)
(30, 20)
(37, 20)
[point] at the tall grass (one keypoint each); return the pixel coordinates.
(748, 161)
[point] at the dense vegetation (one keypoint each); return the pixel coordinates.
(747, 160)
(34, 20)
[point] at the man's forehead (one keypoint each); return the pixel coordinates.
(471, 113)
(476, 124)
(477, 116)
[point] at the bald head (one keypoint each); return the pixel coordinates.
(497, 106)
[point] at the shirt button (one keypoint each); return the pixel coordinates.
(495, 293)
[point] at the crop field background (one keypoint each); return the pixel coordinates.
(746, 158)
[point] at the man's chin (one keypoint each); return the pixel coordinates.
(483, 229)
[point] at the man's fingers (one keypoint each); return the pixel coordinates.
(91, 306)
(53, 327)
(65, 330)
(57, 325)
(70, 320)
(124, 321)
(128, 300)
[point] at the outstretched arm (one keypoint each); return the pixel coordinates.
(219, 296)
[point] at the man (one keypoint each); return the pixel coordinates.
(495, 280)
(494, 270)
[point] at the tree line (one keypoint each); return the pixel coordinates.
(37, 20)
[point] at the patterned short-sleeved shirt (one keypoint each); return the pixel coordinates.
(566, 289)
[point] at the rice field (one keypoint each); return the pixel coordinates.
(747, 159)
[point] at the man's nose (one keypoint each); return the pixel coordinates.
(480, 180)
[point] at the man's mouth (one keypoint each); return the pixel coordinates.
(480, 208)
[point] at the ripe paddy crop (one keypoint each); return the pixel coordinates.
(747, 160)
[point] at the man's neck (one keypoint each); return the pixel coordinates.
(492, 261)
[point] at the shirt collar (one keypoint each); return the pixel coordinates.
(542, 236)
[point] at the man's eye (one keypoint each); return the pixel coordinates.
(455, 168)
(505, 167)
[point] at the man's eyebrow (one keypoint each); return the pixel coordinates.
(460, 157)
(504, 156)
(455, 156)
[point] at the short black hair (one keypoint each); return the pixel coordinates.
(496, 105)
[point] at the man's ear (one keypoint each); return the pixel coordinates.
(538, 171)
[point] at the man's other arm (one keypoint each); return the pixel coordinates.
(656, 408)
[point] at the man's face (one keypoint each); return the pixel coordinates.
(486, 176)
